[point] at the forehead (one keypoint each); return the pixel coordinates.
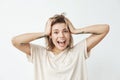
(59, 26)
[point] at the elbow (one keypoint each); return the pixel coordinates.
(107, 28)
(13, 41)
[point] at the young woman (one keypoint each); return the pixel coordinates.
(60, 59)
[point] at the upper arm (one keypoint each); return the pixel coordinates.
(94, 39)
(24, 47)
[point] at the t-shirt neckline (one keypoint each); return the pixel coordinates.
(58, 55)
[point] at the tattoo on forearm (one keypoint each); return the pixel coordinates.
(41, 36)
(83, 32)
(23, 44)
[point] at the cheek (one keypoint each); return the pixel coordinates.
(68, 36)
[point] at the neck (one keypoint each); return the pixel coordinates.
(56, 51)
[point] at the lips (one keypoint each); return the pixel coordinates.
(61, 43)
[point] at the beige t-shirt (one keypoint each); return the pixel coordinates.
(70, 64)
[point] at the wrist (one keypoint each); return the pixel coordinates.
(80, 31)
(41, 35)
(44, 34)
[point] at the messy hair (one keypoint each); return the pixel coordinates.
(57, 19)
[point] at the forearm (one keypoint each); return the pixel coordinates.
(28, 37)
(93, 29)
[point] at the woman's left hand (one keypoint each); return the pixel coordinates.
(70, 25)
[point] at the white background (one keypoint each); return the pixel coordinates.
(23, 16)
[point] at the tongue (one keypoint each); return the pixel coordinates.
(61, 44)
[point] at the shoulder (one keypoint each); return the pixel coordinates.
(81, 48)
(37, 47)
(80, 43)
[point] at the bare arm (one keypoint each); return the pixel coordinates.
(22, 42)
(98, 32)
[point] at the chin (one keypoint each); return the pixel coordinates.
(62, 48)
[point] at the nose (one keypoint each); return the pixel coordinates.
(61, 34)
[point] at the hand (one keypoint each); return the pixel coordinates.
(48, 27)
(70, 25)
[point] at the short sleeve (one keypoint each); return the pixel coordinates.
(36, 52)
(81, 48)
(87, 54)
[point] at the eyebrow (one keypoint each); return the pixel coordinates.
(58, 29)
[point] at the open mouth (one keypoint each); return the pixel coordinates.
(61, 43)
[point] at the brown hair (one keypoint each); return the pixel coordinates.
(57, 19)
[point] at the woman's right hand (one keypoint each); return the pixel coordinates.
(48, 27)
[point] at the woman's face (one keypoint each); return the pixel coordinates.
(60, 36)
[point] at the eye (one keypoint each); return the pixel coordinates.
(55, 32)
(66, 31)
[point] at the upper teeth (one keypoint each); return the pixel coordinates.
(61, 41)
